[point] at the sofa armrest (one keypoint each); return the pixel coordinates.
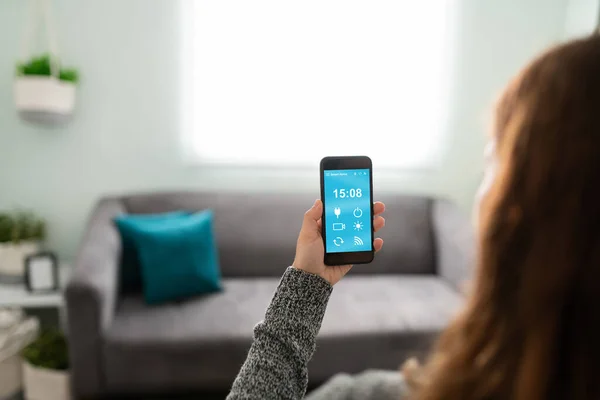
(454, 244)
(91, 296)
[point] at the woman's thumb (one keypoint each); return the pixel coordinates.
(312, 216)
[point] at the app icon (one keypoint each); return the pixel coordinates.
(358, 226)
(338, 241)
(337, 212)
(357, 212)
(338, 226)
(358, 241)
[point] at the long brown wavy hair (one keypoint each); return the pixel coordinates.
(531, 326)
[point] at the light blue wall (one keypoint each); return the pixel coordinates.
(582, 17)
(125, 136)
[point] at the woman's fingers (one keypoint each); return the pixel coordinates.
(378, 223)
(378, 208)
(311, 218)
(378, 244)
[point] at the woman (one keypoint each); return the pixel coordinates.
(531, 326)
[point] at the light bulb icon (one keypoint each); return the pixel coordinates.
(337, 212)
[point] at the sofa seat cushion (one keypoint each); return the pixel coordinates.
(380, 321)
(201, 343)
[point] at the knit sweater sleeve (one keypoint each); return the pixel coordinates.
(276, 366)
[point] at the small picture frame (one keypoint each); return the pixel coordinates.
(41, 272)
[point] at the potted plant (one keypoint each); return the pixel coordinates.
(21, 234)
(46, 368)
(44, 90)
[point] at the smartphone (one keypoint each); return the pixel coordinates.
(347, 221)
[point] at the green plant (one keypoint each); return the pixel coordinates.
(21, 226)
(41, 66)
(6, 228)
(49, 350)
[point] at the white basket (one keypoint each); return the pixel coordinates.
(45, 384)
(16, 332)
(10, 377)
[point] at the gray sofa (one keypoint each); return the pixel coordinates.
(378, 316)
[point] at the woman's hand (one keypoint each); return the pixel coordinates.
(310, 252)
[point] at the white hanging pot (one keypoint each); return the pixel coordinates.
(40, 98)
(45, 384)
(44, 99)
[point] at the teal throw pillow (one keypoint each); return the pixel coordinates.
(178, 259)
(130, 272)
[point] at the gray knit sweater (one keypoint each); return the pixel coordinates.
(276, 367)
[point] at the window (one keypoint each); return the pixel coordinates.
(281, 82)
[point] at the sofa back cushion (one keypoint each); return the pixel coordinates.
(257, 233)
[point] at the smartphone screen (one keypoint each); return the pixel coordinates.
(347, 213)
(347, 209)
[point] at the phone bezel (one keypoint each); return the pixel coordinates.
(347, 162)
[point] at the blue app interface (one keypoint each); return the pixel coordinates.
(347, 194)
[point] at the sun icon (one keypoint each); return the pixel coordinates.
(358, 226)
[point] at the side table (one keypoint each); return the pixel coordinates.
(17, 295)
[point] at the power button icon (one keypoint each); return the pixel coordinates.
(357, 212)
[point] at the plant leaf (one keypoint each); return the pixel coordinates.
(49, 350)
(40, 66)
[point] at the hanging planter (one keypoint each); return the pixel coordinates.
(44, 91)
(41, 97)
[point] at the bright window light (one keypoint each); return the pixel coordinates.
(279, 82)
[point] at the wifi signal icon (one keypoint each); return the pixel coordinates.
(358, 241)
